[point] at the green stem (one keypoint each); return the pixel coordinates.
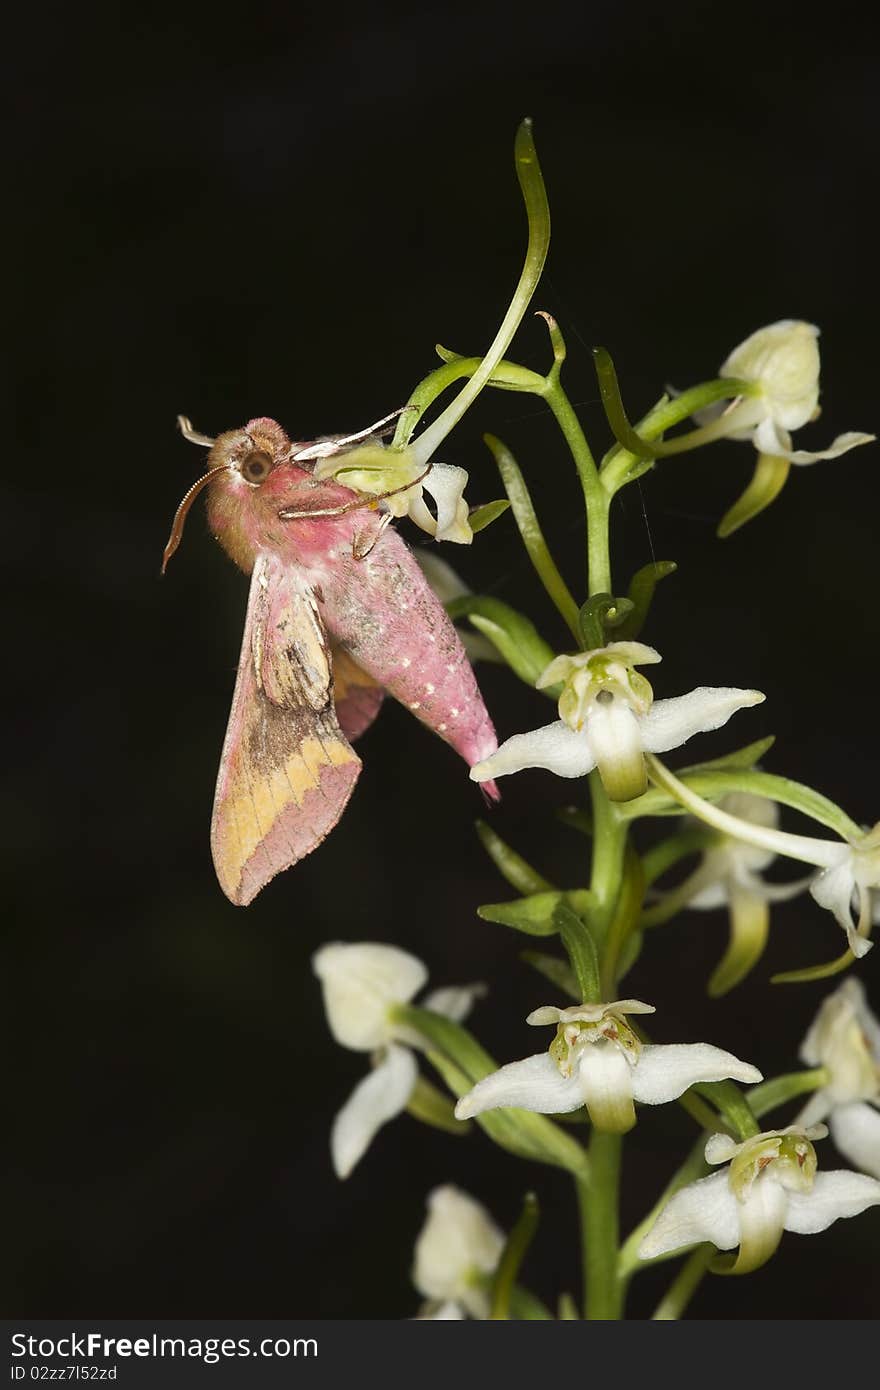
(595, 495)
(684, 1285)
(609, 845)
(599, 1226)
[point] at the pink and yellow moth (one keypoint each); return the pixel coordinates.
(339, 612)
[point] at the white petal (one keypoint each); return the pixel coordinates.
(771, 439)
(446, 484)
(360, 981)
(714, 895)
(459, 1238)
(817, 1108)
(555, 747)
(455, 1002)
(833, 1195)
(670, 723)
(720, 1148)
(663, 1073)
(535, 1083)
(841, 445)
(441, 1312)
(855, 1129)
(833, 889)
(704, 1210)
(375, 1100)
(784, 358)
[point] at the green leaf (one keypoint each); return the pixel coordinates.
(746, 757)
(732, 1105)
(483, 516)
(641, 594)
(600, 617)
(557, 971)
(576, 818)
(529, 1136)
(525, 1307)
(532, 535)
(534, 914)
(713, 785)
(770, 1095)
(581, 948)
(433, 1108)
(512, 867)
(514, 635)
(450, 1037)
(512, 1256)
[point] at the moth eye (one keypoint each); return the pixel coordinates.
(256, 466)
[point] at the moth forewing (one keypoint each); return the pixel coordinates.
(287, 770)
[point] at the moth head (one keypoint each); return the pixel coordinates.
(254, 486)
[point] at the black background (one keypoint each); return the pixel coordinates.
(279, 211)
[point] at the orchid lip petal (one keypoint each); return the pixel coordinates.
(606, 1084)
(381, 1095)
(614, 735)
(535, 1083)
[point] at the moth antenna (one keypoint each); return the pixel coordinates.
(185, 425)
(327, 447)
(181, 513)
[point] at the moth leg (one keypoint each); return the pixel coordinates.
(363, 541)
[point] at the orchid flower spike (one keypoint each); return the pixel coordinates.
(782, 360)
(362, 984)
(457, 1251)
(845, 1039)
(729, 875)
(597, 1060)
(608, 718)
(769, 1186)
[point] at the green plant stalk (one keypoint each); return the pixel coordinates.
(596, 497)
(600, 1229)
(684, 1285)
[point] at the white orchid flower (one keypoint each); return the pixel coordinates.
(399, 478)
(609, 719)
(457, 1250)
(362, 983)
(770, 1186)
(729, 875)
(845, 1039)
(849, 869)
(782, 360)
(597, 1060)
